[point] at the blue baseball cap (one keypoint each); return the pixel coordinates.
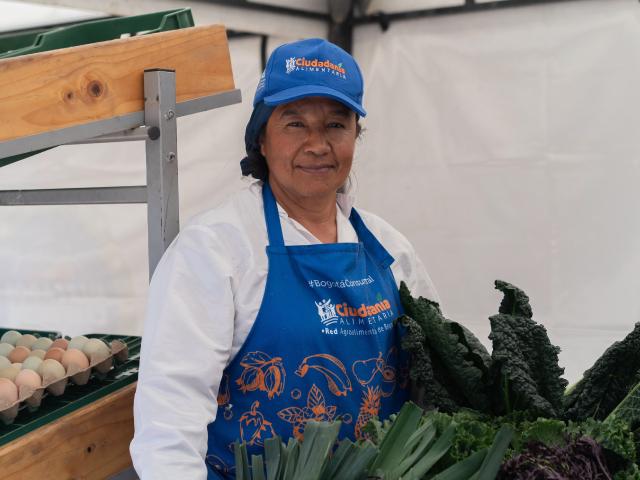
(307, 68)
(311, 68)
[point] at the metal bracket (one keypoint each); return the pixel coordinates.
(160, 134)
(162, 162)
(74, 196)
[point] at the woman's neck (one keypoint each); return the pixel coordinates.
(316, 214)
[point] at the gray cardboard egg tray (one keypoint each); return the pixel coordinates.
(32, 398)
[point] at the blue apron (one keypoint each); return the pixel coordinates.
(323, 346)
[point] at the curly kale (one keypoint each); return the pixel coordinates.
(615, 437)
(525, 367)
(607, 383)
(457, 361)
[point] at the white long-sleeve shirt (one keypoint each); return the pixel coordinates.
(203, 300)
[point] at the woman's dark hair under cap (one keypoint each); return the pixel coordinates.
(254, 163)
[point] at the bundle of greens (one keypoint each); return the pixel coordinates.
(608, 382)
(451, 369)
(407, 446)
(520, 384)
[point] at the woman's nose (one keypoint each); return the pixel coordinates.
(317, 142)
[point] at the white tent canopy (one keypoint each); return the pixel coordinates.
(504, 144)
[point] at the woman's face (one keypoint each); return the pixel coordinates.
(309, 147)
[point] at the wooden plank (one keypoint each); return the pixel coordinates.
(90, 443)
(72, 86)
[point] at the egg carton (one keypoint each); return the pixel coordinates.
(99, 364)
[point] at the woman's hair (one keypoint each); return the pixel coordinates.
(255, 164)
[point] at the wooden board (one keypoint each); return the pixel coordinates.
(90, 443)
(63, 88)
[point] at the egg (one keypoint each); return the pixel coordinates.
(4, 362)
(28, 378)
(77, 342)
(32, 363)
(26, 340)
(8, 392)
(73, 356)
(95, 346)
(5, 349)
(51, 370)
(38, 353)
(62, 343)
(10, 337)
(55, 353)
(43, 343)
(11, 371)
(18, 354)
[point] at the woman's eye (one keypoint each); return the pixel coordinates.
(336, 125)
(294, 124)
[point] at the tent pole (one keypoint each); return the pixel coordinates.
(341, 23)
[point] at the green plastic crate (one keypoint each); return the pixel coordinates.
(75, 396)
(96, 31)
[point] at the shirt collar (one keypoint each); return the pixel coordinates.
(345, 198)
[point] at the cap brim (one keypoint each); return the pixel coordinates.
(303, 91)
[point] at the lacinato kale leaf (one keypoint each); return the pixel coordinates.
(524, 366)
(515, 301)
(458, 361)
(608, 382)
(426, 389)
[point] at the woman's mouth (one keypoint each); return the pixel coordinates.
(316, 169)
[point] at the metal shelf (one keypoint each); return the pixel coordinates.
(156, 125)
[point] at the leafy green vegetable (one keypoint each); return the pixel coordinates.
(426, 390)
(551, 432)
(491, 464)
(451, 369)
(514, 302)
(628, 409)
(608, 382)
(464, 469)
(474, 432)
(525, 363)
(580, 459)
(451, 365)
(614, 435)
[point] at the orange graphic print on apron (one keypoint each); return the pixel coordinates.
(333, 370)
(263, 373)
(316, 409)
(366, 371)
(369, 408)
(223, 392)
(254, 429)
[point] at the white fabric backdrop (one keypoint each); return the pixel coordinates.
(503, 144)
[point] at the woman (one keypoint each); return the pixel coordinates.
(277, 307)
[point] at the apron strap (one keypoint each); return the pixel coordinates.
(272, 217)
(371, 243)
(274, 229)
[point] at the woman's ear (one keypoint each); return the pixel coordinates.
(261, 143)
